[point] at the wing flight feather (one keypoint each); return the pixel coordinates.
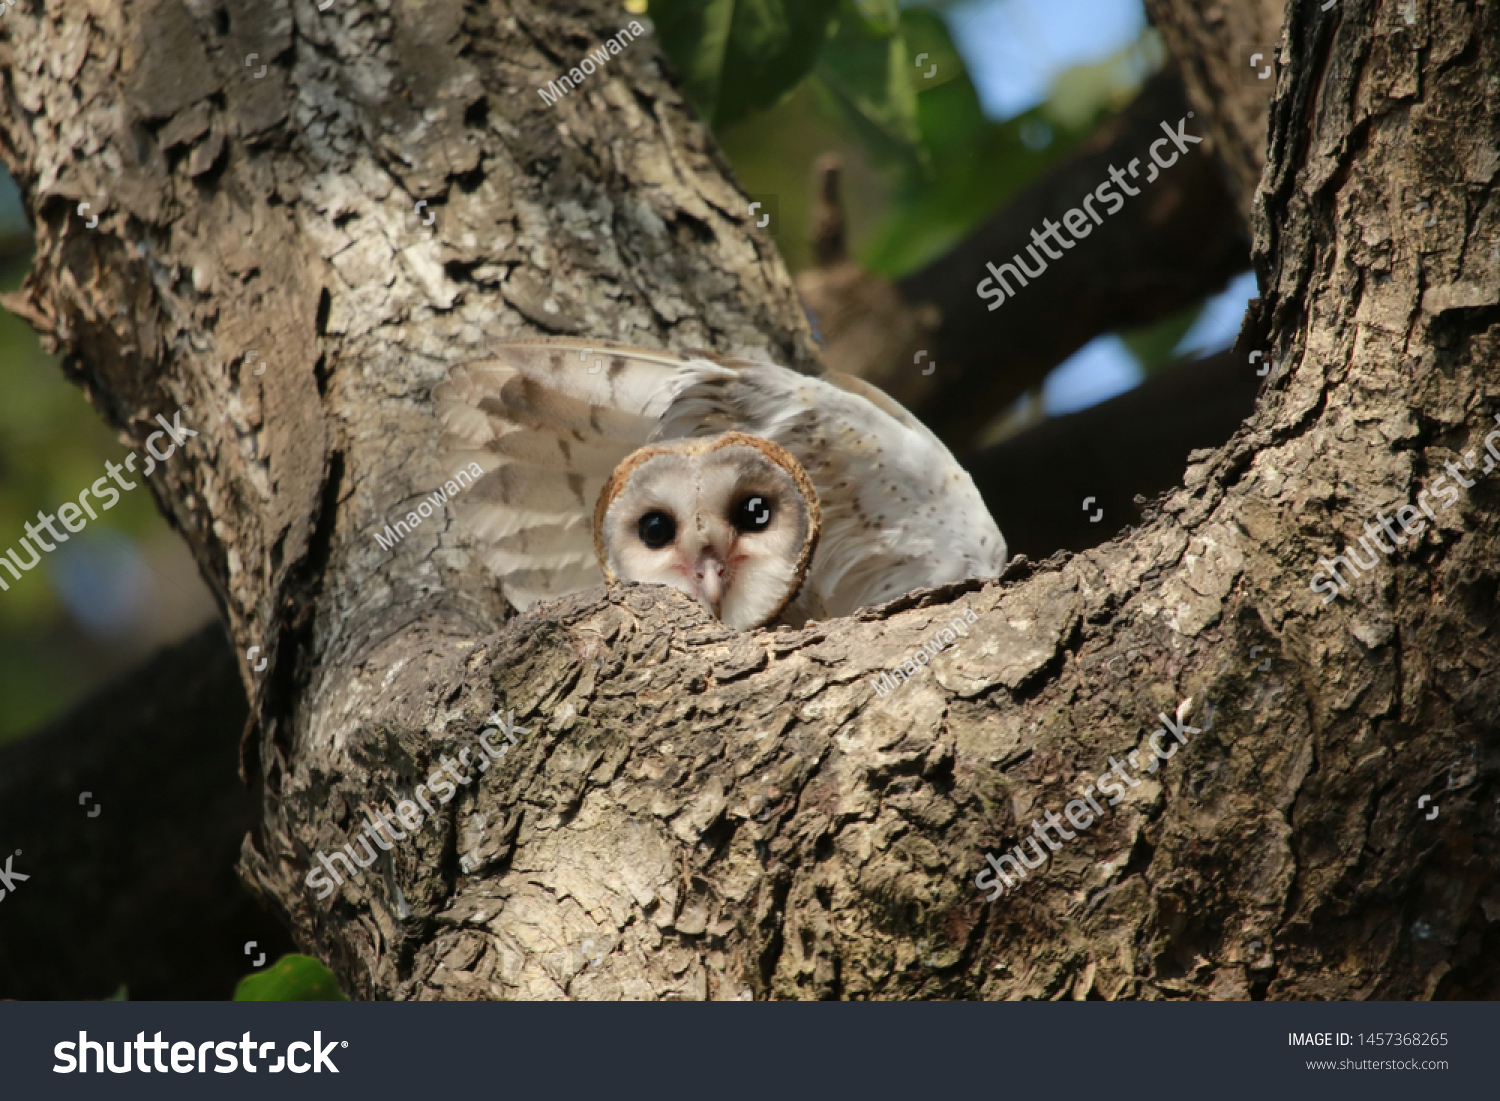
(547, 421)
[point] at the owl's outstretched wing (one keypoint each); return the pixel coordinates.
(549, 420)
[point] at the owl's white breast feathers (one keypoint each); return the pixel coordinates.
(898, 511)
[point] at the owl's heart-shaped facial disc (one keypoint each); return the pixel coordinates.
(732, 521)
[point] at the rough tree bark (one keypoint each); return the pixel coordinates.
(712, 814)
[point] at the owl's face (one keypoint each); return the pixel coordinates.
(731, 521)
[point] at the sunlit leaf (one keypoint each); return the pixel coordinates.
(976, 163)
(1081, 93)
(739, 56)
(865, 71)
(879, 16)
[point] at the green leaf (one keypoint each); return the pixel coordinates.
(866, 72)
(740, 56)
(292, 978)
(879, 16)
(1079, 96)
(976, 164)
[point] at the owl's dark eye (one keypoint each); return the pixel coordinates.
(657, 529)
(752, 514)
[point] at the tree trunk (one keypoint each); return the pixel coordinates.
(693, 812)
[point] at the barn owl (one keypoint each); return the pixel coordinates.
(763, 493)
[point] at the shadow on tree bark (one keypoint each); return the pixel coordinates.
(137, 886)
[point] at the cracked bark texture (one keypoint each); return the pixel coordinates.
(693, 812)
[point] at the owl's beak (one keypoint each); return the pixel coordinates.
(710, 576)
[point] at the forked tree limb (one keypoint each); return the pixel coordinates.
(728, 815)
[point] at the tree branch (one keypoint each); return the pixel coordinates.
(1117, 453)
(1168, 248)
(1215, 47)
(711, 814)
